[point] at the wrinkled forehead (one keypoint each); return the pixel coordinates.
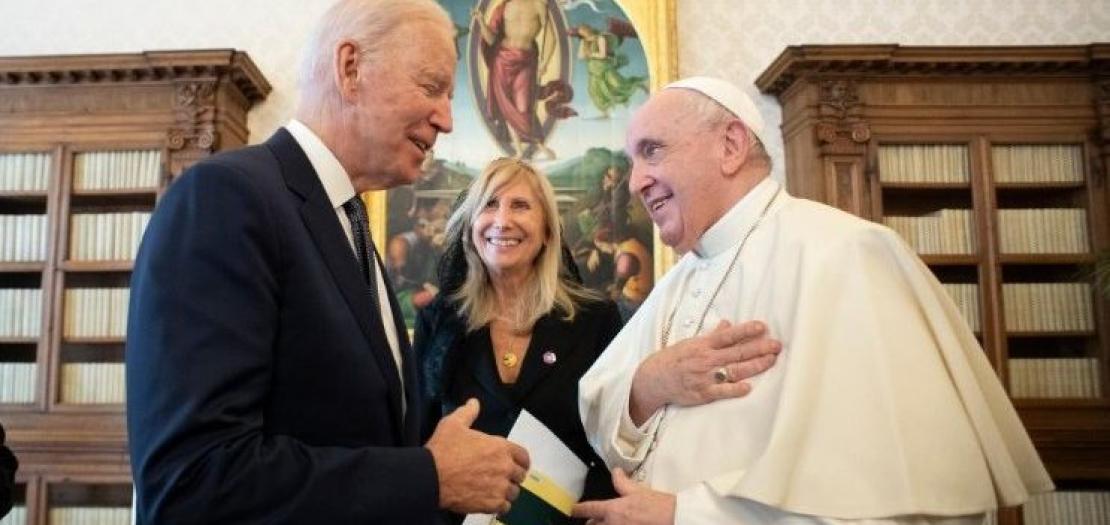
(436, 44)
(666, 113)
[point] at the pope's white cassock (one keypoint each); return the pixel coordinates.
(881, 408)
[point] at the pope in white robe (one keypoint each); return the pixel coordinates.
(881, 408)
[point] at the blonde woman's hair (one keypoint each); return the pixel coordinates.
(549, 287)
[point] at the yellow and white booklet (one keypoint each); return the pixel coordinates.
(553, 484)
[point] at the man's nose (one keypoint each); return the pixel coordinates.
(638, 179)
(441, 116)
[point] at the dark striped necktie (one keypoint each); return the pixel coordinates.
(364, 244)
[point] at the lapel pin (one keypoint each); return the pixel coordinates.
(549, 357)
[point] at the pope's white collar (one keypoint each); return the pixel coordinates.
(731, 227)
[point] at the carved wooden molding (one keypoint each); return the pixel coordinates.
(167, 66)
(1102, 106)
(1101, 160)
(798, 62)
(841, 129)
(194, 134)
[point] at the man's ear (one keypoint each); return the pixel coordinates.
(346, 69)
(737, 146)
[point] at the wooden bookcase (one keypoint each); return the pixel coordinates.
(87, 145)
(1013, 144)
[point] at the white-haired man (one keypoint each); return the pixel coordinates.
(881, 407)
(269, 374)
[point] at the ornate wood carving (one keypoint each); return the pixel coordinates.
(210, 91)
(194, 134)
(1101, 161)
(843, 134)
(841, 129)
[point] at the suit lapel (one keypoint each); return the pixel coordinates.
(408, 363)
(320, 219)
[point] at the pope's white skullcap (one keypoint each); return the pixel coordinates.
(728, 95)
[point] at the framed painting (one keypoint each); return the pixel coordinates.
(554, 82)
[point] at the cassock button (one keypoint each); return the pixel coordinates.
(549, 357)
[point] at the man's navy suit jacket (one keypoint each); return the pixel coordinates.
(260, 386)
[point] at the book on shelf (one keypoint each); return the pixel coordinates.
(17, 382)
(1037, 163)
(1064, 507)
(17, 516)
(90, 515)
(1054, 378)
(924, 163)
(24, 172)
(966, 297)
(20, 313)
(23, 238)
(1047, 230)
(943, 232)
(95, 312)
(88, 383)
(117, 170)
(106, 236)
(1047, 307)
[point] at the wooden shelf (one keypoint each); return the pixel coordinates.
(1046, 258)
(18, 340)
(949, 260)
(29, 195)
(92, 198)
(121, 192)
(93, 340)
(1058, 333)
(22, 266)
(1079, 403)
(928, 186)
(98, 266)
(84, 408)
(1040, 186)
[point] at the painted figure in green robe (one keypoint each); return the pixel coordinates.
(608, 87)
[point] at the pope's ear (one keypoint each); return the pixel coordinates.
(346, 69)
(737, 147)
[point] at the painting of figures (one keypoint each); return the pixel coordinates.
(553, 82)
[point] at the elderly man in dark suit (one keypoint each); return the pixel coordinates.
(269, 373)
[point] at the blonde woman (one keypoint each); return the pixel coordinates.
(512, 326)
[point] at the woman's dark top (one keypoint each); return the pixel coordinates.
(455, 366)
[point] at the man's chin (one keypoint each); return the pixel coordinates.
(674, 242)
(407, 176)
